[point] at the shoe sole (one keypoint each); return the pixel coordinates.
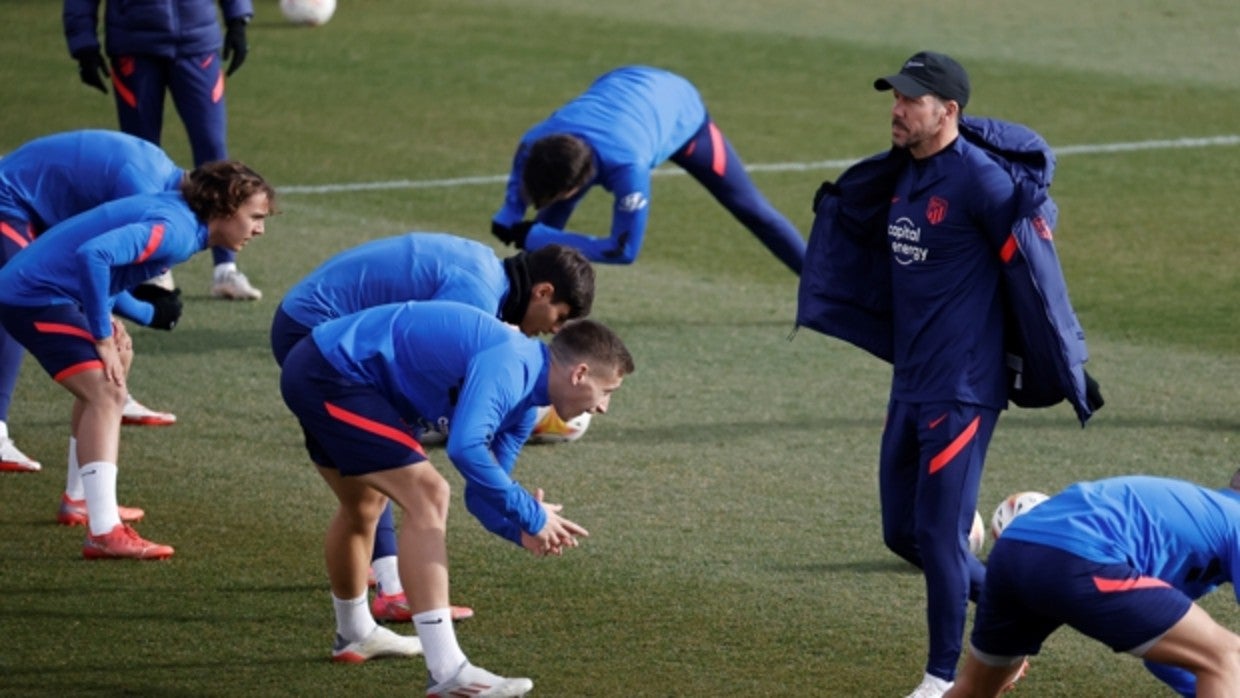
(11, 467)
(92, 554)
(147, 421)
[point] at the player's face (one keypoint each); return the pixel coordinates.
(916, 121)
(233, 232)
(585, 390)
(543, 315)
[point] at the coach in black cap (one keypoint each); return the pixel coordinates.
(928, 72)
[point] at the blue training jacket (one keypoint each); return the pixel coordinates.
(165, 28)
(845, 287)
(464, 371)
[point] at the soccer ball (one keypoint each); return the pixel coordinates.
(550, 429)
(309, 12)
(977, 534)
(1013, 506)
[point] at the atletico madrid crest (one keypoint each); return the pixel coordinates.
(936, 210)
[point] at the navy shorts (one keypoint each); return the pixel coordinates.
(347, 426)
(285, 334)
(1033, 589)
(57, 335)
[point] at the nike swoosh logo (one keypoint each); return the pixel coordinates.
(437, 621)
(934, 423)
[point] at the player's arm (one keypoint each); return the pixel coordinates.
(129, 244)
(630, 211)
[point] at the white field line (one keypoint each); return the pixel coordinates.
(1091, 149)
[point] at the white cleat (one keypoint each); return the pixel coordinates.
(381, 642)
(477, 682)
(931, 687)
(232, 285)
(137, 414)
(12, 460)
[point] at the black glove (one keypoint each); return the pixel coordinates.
(1093, 393)
(92, 69)
(514, 234)
(167, 305)
(235, 46)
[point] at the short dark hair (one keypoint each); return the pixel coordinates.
(591, 342)
(569, 272)
(217, 189)
(554, 165)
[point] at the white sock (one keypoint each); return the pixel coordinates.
(73, 484)
(387, 578)
(99, 484)
(224, 268)
(4, 430)
(353, 619)
(443, 654)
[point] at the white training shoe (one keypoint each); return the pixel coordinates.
(931, 687)
(137, 414)
(381, 642)
(163, 281)
(12, 460)
(478, 682)
(232, 285)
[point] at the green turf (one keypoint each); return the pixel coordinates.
(731, 493)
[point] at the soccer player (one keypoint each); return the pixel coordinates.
(168, 47)
(44, 182)
(1121, 560)
(356, 382)
(626, 124)
(57, 296)
(932, 256)
(534, 291)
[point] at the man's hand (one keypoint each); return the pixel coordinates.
(235, 46)
(512, 234)
(91, 68)
(558, 533)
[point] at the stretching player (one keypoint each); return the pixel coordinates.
(1122, 561)
(626, 124)
(168, 47)
(44, 182)
(536, 292)
(355, 383)
(57, 296)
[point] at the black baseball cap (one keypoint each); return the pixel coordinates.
(927, 72)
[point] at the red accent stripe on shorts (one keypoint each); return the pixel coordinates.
(1008, 251)
(1110, 586)
(217, 92)
(376, 428)
(719, 154)
(157, 236)
(957, 444)
(11, 233)
(70, 371)
(61, 328)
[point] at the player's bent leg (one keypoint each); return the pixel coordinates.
(423, 496)
(1198, 643)
(986, 679)
(350, 534)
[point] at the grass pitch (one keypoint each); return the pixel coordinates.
(731, 493)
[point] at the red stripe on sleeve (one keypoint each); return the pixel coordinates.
(157, 236)
(944, 457)
(1009, 249)
(11, 233)
(376, 428)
